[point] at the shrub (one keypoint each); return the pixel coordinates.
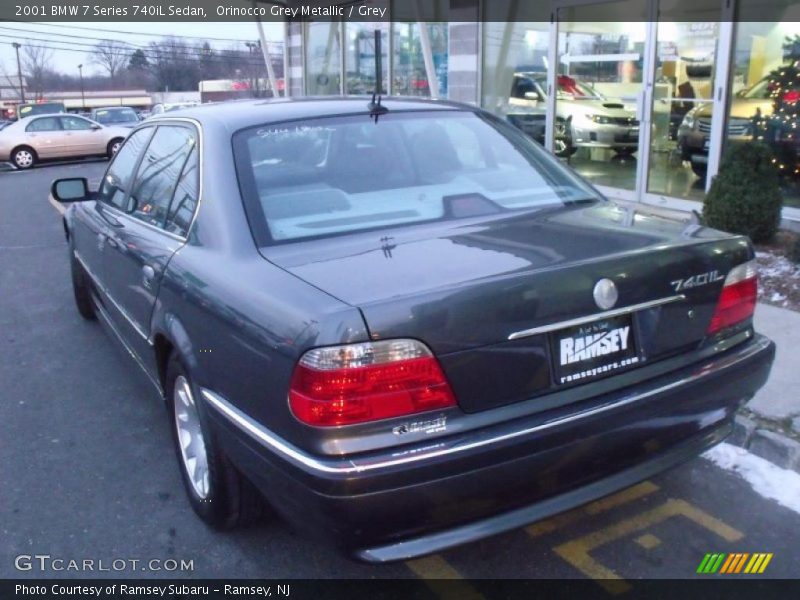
(745, 196)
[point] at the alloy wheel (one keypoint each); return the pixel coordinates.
(190, 437)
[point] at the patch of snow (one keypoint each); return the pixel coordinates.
(767, 479)
(777, 297)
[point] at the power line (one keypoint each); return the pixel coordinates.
(217, 39)
(150, 52)
(99, 39)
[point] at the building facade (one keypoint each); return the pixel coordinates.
(642, 97)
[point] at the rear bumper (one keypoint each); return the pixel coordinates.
(418, 500)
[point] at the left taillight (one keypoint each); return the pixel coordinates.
(737, 301)
(355, 383)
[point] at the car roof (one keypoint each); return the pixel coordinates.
(110, 108)
(239, 114)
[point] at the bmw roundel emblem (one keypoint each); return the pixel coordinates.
(605, 294)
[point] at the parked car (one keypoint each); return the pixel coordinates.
(584, 118)
(160, 109)
(405, 323)
(30, 140)
(747, 108)
(119, 116)
(32, 109)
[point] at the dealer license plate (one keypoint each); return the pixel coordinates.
(594, 350)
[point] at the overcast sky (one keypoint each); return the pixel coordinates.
(67, 61)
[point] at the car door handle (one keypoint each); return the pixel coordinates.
(112, 242)
(148, 275)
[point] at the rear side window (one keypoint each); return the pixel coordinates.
(119, 174)
(44, 124)
(184, 200)
(159, 173)
(338, 175)
(75, 123)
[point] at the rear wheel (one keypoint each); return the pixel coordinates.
(562, 144)
(113, 146)
(23, 157)
(218, 493)
(81, 290)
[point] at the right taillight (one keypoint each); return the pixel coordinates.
(737, 302)
(355, 383)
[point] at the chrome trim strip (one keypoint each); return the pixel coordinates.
(278, 445)
(108, 321)
(104, 289)
(614, 312)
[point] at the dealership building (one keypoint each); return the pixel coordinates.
(649, 93)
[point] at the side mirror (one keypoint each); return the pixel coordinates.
(533, 96)
(95, 126)
(73, 189)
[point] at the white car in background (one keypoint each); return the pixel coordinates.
(44, 137)
(160, 109)
(584, 117)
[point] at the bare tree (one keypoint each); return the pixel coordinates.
(36, 62)
(10, 79)
(112, 56)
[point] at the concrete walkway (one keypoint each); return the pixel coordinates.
(769, 425)
(780, 398)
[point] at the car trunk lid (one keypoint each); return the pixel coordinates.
(479, 292)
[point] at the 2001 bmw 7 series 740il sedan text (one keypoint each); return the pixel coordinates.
(402, 323)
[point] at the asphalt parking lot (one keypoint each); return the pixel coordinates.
(87, 469)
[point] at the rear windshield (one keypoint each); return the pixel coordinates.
(338, 175)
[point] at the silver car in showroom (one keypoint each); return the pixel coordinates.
(44, 137)
(584, 118)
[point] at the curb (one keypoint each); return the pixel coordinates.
(766, 440)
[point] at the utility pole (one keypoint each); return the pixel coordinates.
(253, 47)
(83, 96)
(19, 73)
(273, 82)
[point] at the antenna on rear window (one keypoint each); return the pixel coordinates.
(376, 109)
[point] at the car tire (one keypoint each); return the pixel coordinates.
(81, 290)
(113, 146)
(699, 169)
(220, 495)
(562, 145)
(24, 157)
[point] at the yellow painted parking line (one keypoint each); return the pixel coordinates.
(640, 490)
(576, 552)
(648, 541)
(443, 578)
(57, 205)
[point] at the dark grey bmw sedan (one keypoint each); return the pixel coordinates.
(402, 325)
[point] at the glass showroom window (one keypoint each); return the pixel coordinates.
(599, 77)
(515, 75)
(413, 75)
(683, 105)
(765, 93)
(360, 57)
(323, 52)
